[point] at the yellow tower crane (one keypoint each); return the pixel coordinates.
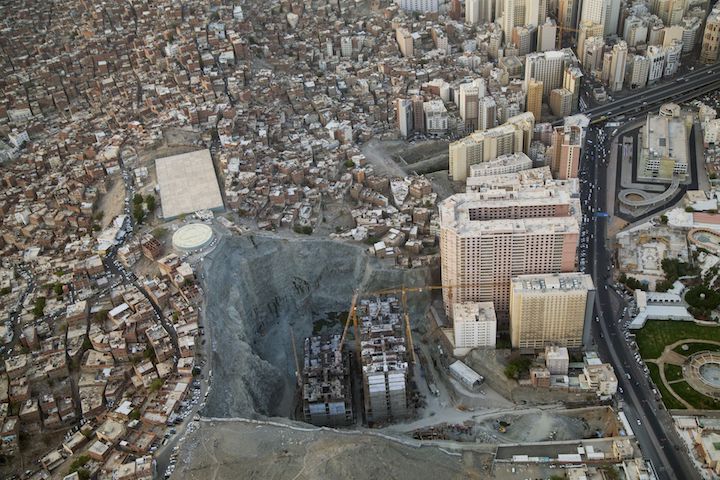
(403, 291)
(561, 30)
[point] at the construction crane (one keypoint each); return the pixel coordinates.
(561, 30)
(350, 316)
(403, 291)
(298, 372)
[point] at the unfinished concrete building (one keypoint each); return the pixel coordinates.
(384, 355)
(327, 396)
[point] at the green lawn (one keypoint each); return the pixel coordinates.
(695, 398)
(668, 399)
(656, 334)
(673, 372)
(697, 347)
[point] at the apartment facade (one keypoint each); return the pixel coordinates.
(479, 258)
(553, 309)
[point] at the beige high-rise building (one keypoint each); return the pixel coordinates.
(553, 309)
(567, 13)
(592, 58)
(635, 30)
(525, 122)
(535, 12)
(503, 204)
(418, 102)
(545, 67)
(711, 37)
(672, 34)
(404, 116)
(487, 115)
(522, 38)
(513, 15)
(534, 97)
(617, 66)
(546, 35)
(561, 102)
(483, 146)
(572, 80)
(638, 71)
(472, 11)
(479, 257)
(594, 11)
(566, 151)
(588, 29)
(656, 59)
(468, 104)
(474, 325)
(405, 41)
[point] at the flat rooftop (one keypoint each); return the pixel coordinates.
(527, 226)
(187, 183)
(574, 281)
(533, 176)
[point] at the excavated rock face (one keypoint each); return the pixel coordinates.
(257, 287)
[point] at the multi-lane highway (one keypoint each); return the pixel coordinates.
(651, 423)
(698, 82)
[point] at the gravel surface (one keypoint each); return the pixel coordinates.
(258, 287)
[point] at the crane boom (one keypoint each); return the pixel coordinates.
(351, 314)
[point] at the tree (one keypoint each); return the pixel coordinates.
(304, 229)
(137, 199)
(58, 289)
(664, 219)
(5, 290)
(149, 353)
(150, 202)
(703, 298)
(135, 414)
(138, 213)
(78, 463)
(39, 307)
(611, 473)
(517, 367)
(156, 385)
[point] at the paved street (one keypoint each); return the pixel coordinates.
(655, 431)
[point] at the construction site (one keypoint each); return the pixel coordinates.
(312, 333)
(383, 367)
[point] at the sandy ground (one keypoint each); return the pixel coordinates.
(379, 155)
(400, 158)
(113, 202)
(240, 450)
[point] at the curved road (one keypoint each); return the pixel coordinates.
(655, 433)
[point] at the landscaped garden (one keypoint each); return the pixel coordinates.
(656, 334)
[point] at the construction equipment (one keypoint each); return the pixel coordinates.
(403, 291)
(298, 372)
(561, 30)
(351, 316)
(408, 333)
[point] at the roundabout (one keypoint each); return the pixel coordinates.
(702, 372)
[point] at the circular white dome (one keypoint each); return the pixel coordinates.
(192, 236)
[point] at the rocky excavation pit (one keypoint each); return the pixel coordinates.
(257, 288)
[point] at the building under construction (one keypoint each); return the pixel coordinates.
(384, 357)
(327, 396)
